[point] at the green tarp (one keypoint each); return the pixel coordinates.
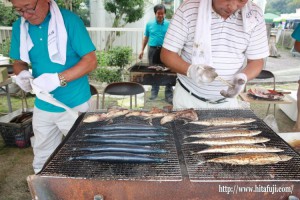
(269, 17)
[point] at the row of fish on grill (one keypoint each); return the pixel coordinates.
(123, 143)
(232, 136)
(186, 115)
(126, 142)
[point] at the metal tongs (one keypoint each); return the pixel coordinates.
(224, 81)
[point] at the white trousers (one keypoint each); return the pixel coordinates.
(48, 128)
(183, 100)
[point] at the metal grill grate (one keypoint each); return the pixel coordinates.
(60, 166)
(181, 163)
(289, 170)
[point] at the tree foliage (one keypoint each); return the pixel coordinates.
(124, 11)
(282, 6)
(7, 15)
(75, 6)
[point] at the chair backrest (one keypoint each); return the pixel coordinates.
(265, 74)
(94, 91)
(124, 88)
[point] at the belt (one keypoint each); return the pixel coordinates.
(156, 47)
(223, 100)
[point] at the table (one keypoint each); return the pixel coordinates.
(6, 90)
(245, 97)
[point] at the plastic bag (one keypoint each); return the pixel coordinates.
(271, 122)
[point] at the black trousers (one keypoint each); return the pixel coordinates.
(154, 59)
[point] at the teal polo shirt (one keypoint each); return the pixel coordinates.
(79, 44)
(156, 32)
(296, 33)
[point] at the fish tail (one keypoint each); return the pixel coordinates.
(201, 162)
(71, 158)
(185, 122)
(186, 136)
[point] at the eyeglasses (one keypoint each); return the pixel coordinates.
(29, 11)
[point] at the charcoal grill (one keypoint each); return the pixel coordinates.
(180, 178)
(141, 74)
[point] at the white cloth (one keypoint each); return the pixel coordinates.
(57, 37)
(182, 100)
(23, 80)
(45, 96)
(202, 53)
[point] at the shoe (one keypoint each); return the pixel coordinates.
(153, 97)
(169, 100)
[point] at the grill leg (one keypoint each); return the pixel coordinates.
(130, 101)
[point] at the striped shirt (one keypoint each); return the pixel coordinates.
(231, 45)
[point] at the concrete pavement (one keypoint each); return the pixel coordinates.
(286, 68)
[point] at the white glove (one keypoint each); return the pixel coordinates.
(201, 73)
(239, 82)
(22, 80)
(47, 82)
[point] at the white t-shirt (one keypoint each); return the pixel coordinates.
(231, 45)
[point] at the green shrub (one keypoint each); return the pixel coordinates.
(106, 74)
(111, 64)
(119, 56)
(102, 58)
(4, 47)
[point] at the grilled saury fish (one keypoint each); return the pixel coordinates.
(122, 148)
(239, 148)
(228, 133)
(230, 140)
(119, 157)
(251, 159)
(223, 121)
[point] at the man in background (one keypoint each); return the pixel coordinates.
(296, 36)
(154, 37)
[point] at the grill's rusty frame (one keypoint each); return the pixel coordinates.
(191, 186)
(64, 189)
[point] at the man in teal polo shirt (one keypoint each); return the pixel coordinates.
(57, 44)
(154, 36)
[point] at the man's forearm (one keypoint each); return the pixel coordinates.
(253, 68)
(173, 61)
(87, 64)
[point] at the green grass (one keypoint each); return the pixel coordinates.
(15, 102)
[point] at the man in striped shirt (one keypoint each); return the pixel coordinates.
(235, 32)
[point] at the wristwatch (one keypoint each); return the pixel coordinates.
(62, 80)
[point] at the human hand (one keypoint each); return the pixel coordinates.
(23, 80)
(141, 55)
(47, 82)
(239, 82)
(201, 73)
